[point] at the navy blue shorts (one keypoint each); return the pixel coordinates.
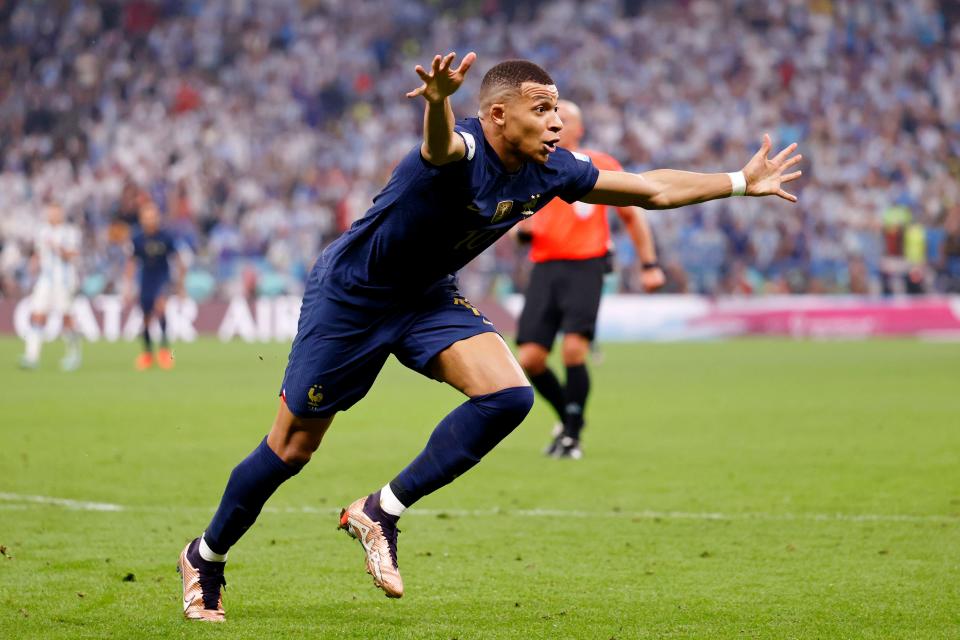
(339, 349)
(149, 292)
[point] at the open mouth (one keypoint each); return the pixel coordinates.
(551, 145)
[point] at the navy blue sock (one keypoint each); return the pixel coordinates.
(251, 483)
(464, 436)
(578, 387)
(163, 330)
(548, 386)
(147, 344)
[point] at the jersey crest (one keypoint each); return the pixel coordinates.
(504, 207)
(527, 207)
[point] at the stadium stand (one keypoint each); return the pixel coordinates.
(252, 125)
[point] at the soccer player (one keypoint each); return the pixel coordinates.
(385, 286)
(153, 247)
(56, 251)
(569, 251)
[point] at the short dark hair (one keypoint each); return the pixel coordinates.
(509, 75)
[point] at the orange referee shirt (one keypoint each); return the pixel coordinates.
(578, 231)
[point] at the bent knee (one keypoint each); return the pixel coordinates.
(533, 366)
(533, 359)
(296, 456)
(513, 402)
(576, 348)
(295, 447)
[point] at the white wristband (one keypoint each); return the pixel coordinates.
(738, 183)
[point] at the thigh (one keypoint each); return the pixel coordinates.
(335, 358)
(150, 291)
(580, 297)
(440, 318)
(41, 297)
(63, 299)
(160, 302)
(540, 318)
(478, 365)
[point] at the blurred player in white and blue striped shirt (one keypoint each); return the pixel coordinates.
(56, 249)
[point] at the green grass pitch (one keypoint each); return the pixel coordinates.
(748, 489)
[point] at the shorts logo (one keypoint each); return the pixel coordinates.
(503, 210)
(527, 207)
(314, 396)
(466, 303)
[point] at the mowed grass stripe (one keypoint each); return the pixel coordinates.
(79, 505)
(820, 437)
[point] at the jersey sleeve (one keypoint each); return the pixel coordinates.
(136, 244)
(472, 133)
(174, 245)
(604, 162)
(469, 140)
(470, 171)
(577, 172)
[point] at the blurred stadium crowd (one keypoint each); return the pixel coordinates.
(262, 129)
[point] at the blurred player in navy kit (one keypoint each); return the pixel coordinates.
(153, 248)
(570, 244)
(387, 286)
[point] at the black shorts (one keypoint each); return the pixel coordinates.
(563, 295)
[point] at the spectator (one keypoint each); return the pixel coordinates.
(250, 124)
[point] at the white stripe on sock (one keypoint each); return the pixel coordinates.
(390, 503)
(209, 554)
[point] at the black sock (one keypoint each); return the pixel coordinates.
(548, 386)
(578, 387)
(163, 330)
(147, 344)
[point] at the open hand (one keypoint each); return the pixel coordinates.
(765, 175)
(442, 81)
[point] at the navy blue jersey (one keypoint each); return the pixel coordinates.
(430, 221)
(154, 253)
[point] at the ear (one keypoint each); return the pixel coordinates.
(498, 113)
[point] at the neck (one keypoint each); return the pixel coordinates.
(511, 160)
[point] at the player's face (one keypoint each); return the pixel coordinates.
(54, 214)
(149, 218)
(531, 124)
(572, 125)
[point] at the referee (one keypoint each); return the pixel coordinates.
(569, 251)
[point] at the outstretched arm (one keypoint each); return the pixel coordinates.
(669, 188)
(440, 145)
